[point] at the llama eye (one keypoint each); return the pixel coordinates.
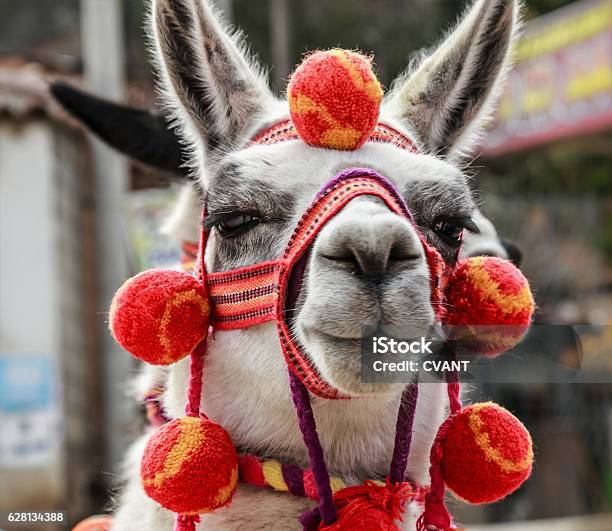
(451, 231)
(237, 224)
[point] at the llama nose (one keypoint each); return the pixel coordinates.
(372, 245)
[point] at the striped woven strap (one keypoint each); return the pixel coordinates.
(285, 130)
(338, 193)
(283, 477)
(245, 297)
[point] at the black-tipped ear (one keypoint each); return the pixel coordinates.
(136, 133)
(451, 94)
(515, 253)
(214, 91)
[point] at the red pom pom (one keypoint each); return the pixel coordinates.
(489, 304)
(160, 316)
(334, 99)
(190, 466)
(486, 453)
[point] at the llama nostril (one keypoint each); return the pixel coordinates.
(372, 263)
(400, 253)
(359, 262)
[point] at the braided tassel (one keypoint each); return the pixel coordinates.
(436, 516)
(367, 507)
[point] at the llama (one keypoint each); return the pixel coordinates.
(255, 195)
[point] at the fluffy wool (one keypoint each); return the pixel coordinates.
(490, 303)
(190, 466)
(487, 453)
(335, 98)
(159, 316)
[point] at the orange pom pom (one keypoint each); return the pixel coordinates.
(95, 523)
(190, 466)
(489, 304)
(160, 316)
(486, 453)
(334, 99)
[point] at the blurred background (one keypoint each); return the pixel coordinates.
(75, 219)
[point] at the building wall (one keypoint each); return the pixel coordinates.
(29, 303)
(46, 294)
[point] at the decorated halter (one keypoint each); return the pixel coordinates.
(190, 466)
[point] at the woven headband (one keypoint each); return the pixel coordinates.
(383, 133)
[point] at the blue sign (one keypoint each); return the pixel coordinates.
(26, 382)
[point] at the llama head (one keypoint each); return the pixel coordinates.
(367, 266)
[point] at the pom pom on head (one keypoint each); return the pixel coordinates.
(334, 99)
(160, 316)
(190, 466)
(486, 453)
(489, 305)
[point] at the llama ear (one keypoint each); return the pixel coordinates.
(213, 91)
(452, 91)
(136, 133)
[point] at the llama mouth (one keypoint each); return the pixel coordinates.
(339, 337)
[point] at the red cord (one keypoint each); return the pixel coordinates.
(194, 389)
(436, 515)
(196, 363)
(454, 397)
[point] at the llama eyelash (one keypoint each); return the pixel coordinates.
(464, 221)
(214, 219)
(230, 196)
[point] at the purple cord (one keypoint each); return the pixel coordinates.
(403, 433)
(326, 511)
(308, 428)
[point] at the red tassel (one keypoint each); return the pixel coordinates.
(186, 522)
(370, 507)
